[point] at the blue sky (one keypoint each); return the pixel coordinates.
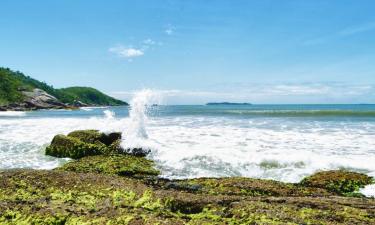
(193, 51)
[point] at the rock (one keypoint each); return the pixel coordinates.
(94, 136)
(69, 147)
(63, 197)
(141, 152)
(338, 181)
(80, 143)
(122, 165)
(79, 104)
(34, 100)
(39, 99)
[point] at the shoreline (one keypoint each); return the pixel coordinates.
(106, 184)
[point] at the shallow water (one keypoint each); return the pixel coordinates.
(275, 142)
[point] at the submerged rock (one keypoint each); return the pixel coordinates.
(338, 181)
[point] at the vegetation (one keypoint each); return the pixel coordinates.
(12, 83)
(86, 95)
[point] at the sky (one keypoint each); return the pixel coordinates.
(194, 51)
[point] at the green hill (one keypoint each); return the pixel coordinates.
(14, 83)
(87, 95)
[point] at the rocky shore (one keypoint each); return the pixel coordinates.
(34, 100)
(106, 184)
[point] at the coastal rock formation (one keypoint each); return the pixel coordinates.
(125, 189)
(34, 100)
(338, 181)
(116, 164)
(78, 144)
(19, 92)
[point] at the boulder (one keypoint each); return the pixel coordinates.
(338, 181)
(39, 99)
(70, 147)
(94, 136)
(80, 143)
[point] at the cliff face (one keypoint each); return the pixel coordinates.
(34, 100)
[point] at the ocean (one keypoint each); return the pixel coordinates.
(280, 142)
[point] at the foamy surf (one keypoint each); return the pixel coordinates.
(12, 113)
(188, 144)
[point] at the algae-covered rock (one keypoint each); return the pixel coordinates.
(80, 143)
(338, 181)
(94, 136)
(122, 165)
(242, 186)
(65, 146)
(61, 197)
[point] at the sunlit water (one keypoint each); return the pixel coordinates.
(281, 142)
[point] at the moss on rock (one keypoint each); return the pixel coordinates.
(61, 197)
(64, 146)
(80, 143)
(122, 165)
(241, 186)
(338, 181)
(94, 136)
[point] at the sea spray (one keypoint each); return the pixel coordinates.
(108, 114)
(135, 133)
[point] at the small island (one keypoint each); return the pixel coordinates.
(228, 103)
(19, 92)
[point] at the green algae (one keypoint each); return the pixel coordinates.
(61, 197)
(63, 146)
(122, 165)
(81, 143)
(240, 186)
(338, 181)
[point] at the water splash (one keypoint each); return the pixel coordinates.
(135, 133)
(110, 115)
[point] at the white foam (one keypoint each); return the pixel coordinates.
(197, 146)
(135, 134)
(368, 191)
(109, 114)
(12, 113)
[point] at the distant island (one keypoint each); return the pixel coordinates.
(228, 103)
(22, 93)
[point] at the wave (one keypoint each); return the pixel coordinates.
(303, 113)
(12, 113)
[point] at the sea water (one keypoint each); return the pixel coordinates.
(281, 142)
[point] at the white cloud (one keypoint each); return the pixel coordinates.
(357, 29)
(169, 31)
(149, 41)
(349, 31)
(267, 93)
(126, 52)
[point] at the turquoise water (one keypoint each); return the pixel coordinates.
(282, 142)
(308, 112)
